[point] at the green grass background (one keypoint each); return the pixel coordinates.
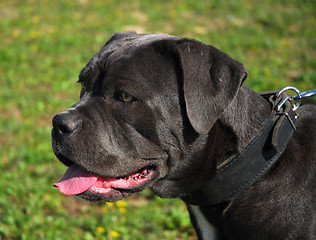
(43, 46)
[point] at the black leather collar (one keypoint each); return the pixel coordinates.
(242, 170)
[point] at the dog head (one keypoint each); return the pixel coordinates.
(147, 105)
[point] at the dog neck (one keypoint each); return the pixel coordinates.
(241, 169)
(244, 120)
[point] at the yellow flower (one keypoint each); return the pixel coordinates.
(173, 12)
(33, 35)
(114, 234)
(121, 204)
(100, 229)
(122, 210)
(36, 19)
(104, 209)
(16, 33)
(110, 204)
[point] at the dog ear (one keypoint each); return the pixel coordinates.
(211, 80)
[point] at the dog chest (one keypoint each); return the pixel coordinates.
(204, 228)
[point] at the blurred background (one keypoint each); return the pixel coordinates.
(43, 46)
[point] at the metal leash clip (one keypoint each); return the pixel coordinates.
(295, 101)
(306, 94)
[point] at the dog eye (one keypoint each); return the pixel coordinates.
(125, 97)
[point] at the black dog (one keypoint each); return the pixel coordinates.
(172, 114)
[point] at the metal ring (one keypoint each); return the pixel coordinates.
(296, 99)
(289, 88)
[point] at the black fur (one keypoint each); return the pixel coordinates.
(190, 110)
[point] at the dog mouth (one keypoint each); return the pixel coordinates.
(78, 181)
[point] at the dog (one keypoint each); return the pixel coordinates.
(169, 114)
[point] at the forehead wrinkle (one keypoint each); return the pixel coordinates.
(116, 49)
(133, 86)
(128, 73)
(133, 65)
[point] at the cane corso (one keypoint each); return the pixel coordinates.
(171, 114)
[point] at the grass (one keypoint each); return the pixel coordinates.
(43, 46)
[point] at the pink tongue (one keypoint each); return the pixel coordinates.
(76, 180)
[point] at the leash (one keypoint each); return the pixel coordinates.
(310, 93)
(240, 171)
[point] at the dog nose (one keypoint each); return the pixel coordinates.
(65, 122)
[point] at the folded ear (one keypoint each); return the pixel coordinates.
(211, 80)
